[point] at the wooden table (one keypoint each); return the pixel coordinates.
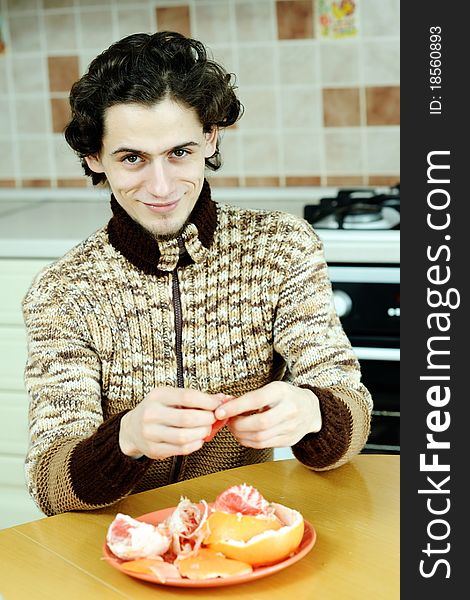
(354, 509)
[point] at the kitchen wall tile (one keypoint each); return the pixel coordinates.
(339, 62)
(67, 163)
(298, 62)
(7, 183)
(381, 62)
(302, 153)
(303, 181)
(380, 18)
(212, 22)
(60, 32)
(260, 109)
(61, 115)
(174, 18)
(383, 180)
(225, 55)
(383, 150)
(383, 105)
(72, 182)
(341, 107)
(84, 61)
(301, 108)
(20, 5)
(256, 65)
(7, 164)
(5, 117)
(4, 83)
(343, 151)
(58, 3)
(36, 182)
(260, 154)
(262, 181)
(294, 19)
(255, 21)
(32, 115)
(229, 150)
(63, 72)
(345, 181)
(28, 74)
(96, 29)
(135, 20)
(34, 158)
(95, 3)
(318, 111)
(24, 33)
(222, 181)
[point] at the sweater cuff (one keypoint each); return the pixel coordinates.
(99, 471)
(324, 448)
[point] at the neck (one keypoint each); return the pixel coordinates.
(142, 249)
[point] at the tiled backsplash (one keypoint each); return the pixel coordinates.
(319, 109)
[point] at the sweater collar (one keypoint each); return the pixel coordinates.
(157, 258)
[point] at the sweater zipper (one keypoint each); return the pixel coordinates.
(177, 460)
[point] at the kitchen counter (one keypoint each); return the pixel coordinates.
(354, 510)
(46, 223)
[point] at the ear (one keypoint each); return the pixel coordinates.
(94, 163)
(211, 142)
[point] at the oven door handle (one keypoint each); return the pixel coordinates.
(377, 353)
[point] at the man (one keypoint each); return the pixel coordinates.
(180, 312)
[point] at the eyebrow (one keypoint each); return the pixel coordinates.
(123, 149)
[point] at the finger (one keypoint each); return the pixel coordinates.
(164, 450)
(188, 417)
(177, 437)
(189, 398)
(275, 442)
(248, 403)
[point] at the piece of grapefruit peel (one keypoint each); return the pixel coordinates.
(240, 531)
(217, 425)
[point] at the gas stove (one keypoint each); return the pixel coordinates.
(357, 209)
(358, 226)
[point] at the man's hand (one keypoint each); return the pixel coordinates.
(274, 416)
(168, 422)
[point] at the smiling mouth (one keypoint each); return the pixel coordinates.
(161, 207)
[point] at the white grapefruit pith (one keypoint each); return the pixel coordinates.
(267, 547)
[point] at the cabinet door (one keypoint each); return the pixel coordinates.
(16, 505)
(13, 355)
(14, 423)
(16, 276)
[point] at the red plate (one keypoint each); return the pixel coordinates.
(307, 543)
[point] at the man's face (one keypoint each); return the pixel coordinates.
(153, 159)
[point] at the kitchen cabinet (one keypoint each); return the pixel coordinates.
(16, 506)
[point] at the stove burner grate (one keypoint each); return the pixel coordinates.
(356, 209)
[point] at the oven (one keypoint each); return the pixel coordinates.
(360, 233)
(367, 300)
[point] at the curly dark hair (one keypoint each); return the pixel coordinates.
(146, 68)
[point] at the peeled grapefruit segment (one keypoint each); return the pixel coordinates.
(129, 538)
(243, 499)
(207, 564)
(270, 546)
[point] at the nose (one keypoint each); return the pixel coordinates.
(160, 182)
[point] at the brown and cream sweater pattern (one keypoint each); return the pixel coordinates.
(255, 305)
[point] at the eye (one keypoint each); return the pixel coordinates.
(180, 152)
(131, 159)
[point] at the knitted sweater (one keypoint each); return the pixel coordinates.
(242, 298)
